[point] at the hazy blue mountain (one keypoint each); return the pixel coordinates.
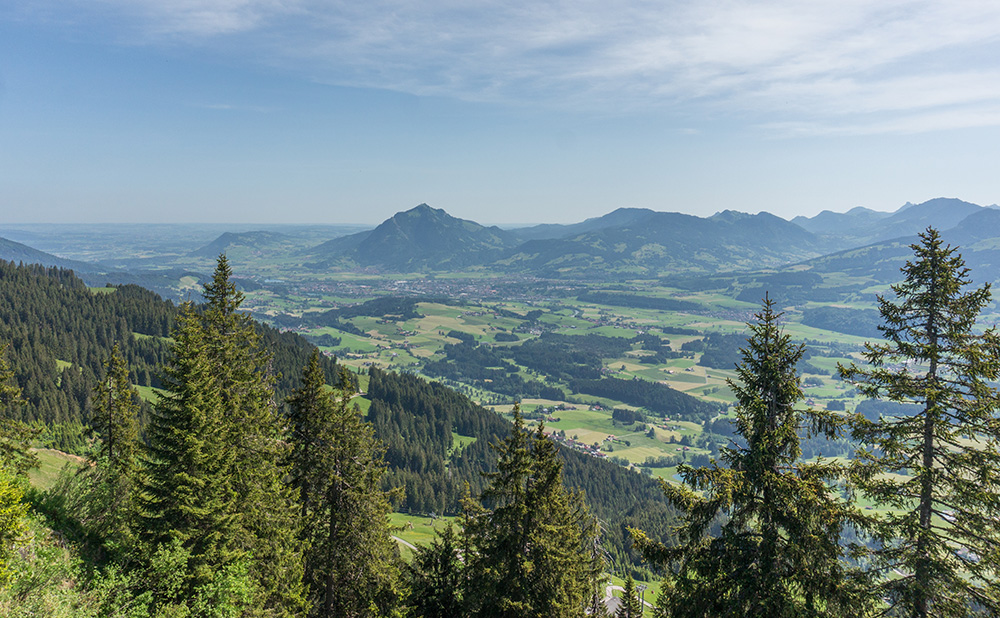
(253, 241)
(861, 226)
(941, 213)
(338, 247)
(615, 218)
(853, 221)
(977, 236)
(669, 242)
(17, 252)
(978, 228)
(422, 238)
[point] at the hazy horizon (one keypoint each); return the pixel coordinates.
(251, 225)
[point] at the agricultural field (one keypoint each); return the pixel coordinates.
(414, 341)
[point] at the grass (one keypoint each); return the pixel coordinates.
(417, 530)
(458, 442)
(149, 393)
(51, 463)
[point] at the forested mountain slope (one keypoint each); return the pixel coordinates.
(16, 252)
(415, 420)
(60, 332)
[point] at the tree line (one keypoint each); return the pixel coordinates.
(59, 333)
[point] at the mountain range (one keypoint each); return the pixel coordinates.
(637, 242)
(625, 243)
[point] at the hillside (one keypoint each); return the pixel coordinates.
(662, 242)
(422, 238)
(858, 220)
(861, 226)
(227, 242)
(16, 252)
(60, 332)
(617, 218)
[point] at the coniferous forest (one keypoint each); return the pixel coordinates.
(254, 485)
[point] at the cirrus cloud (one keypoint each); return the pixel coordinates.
(832, 66)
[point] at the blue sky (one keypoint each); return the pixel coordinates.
(503, 112)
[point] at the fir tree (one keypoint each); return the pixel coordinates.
(435, 577)
(937, 471)
(352, 562)
(630, 606)
(112, 479)
(778, 553)
(533, 549)
(186, 499)
(249, 428)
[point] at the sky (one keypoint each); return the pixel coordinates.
(503, 112)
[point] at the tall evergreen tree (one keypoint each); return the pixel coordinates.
(779, 552)
(115, 415)
(186, 498)
(631, 606)
(532, 547)
(250, 430)
(215, 470)
(112, 480)
(14, 460)
(937, 471)
(435, 577)
(15, 437)
(352, 562)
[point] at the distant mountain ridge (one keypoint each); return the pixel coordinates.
(976, 235)
(657, 242)
(633, 241)
(616, 218)
(422, 238)
(854, 221)
(227, 241)
(862, 226)
(16, 252)
(627, 241)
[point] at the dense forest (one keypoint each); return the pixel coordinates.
(415, 420)
(60, 332)
(653, 396)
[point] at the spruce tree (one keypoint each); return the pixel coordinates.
(532, 547)
(435, 576)
(936, 471)
(250, 429)
(115, 416)
(778, 553)
(352, 562)
(215, 475)
(186, 499)
(112, 480)
(631, 606)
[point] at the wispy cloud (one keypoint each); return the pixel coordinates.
(832, 65)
